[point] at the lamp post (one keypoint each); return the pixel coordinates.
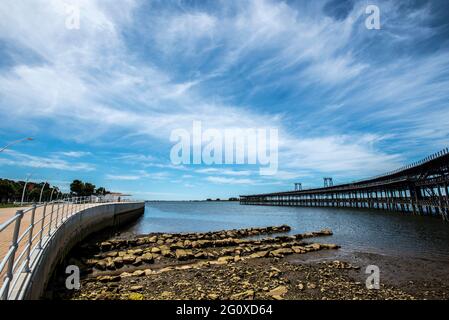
(15, 142)
(24, 188)
(51, 194)
(42, 190)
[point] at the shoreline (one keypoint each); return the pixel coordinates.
(228, 272)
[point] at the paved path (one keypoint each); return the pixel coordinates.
(6, 235)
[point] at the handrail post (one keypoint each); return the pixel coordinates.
(57, 216)
(70, 208)
(62, 211)
(30, 239)
(67, 209)
(51, 218)
(14, 245)
(39, 246)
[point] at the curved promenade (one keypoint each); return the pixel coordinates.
(34, 240)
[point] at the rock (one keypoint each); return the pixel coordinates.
(248, 295)
(138, 273)
(260, 254)
(110, 265)
(225, 259)
(278, 292)
(200, 255)
(91, 262)
(101, 265)
(166, 253)
(166, 295)
(156, 256)
(128, 259)
(182, 254)
(165, 269)
(112, 254)
(152, 239)
(118, 262)
(148, 258)
(186, 267)
(298, 249)
(281, 252)
(124, 275)
(135, 296)
(137, 262)
(108, 278)
(136, 288)
(212, 296)
(311, 285)
(300, 286)
(155, 250)
(137, 252)
(105, 246)
(149, 272)
(325, 232)
(313, 247)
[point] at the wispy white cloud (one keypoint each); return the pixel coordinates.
(74, 154)
(25, 160)
(229, 65)
(235, 181)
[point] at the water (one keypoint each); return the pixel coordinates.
(374, 231)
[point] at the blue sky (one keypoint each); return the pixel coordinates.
(102, 100)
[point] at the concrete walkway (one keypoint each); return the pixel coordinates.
(6, 235)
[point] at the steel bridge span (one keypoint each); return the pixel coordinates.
(420, 188)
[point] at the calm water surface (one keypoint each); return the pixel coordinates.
(355, 230)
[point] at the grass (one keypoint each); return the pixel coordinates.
(9, 205)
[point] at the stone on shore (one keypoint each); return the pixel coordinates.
(278, 292)
(182, 254)
(247, 295)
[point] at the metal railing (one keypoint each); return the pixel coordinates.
(29, 230)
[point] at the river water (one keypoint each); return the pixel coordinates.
(388, 233)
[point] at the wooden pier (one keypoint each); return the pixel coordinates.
(420, 188)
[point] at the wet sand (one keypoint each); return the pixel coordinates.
(422, 278)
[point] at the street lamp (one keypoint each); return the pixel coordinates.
(42, 191)
(15, 142)
(24, 187)
(51, 194)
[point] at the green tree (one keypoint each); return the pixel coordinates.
(7, 191)
(77, 187)
(101, 191)
(89, 189)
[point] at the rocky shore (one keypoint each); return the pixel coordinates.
(230, 264)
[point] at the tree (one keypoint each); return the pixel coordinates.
(101, 191)
(77, 187)
(89, 189)
(7, 191)
(80, 188)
